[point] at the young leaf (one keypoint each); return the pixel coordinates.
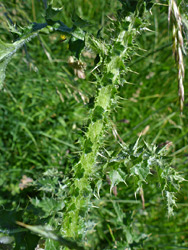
(115, 178)
(171, 202)
(142, 170)
(7, 50)
(98, 186)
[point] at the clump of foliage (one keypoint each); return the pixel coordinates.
(84, 192)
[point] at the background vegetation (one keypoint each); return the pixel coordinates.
(48, 104)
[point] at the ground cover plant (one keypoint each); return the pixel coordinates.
(93, 139)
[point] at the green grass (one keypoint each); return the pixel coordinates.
(44, 121)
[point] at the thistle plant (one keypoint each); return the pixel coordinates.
(112, 70)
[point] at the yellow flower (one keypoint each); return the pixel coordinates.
(63, 37)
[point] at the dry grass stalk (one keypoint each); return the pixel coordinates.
(178, 45)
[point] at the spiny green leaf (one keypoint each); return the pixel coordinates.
(3, 66)
(88, 161)
(116, 178)
(171, 202)
(98, 186)
(78, 33)
(7, 50)
(172, 177)
(115, 65)
(97, 45)
(95, 130)
(104, 96)
(142, 170)
(52, 244)
(83, 185)
(49, 205)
